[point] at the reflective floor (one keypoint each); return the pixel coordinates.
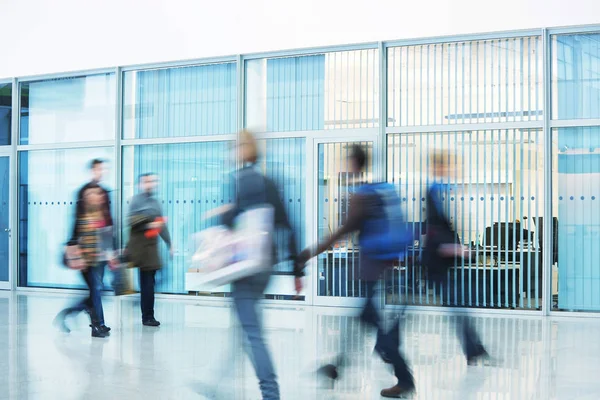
(537, 358)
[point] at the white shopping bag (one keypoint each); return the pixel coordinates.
(225, 256)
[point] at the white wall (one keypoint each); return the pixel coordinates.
(42, 36)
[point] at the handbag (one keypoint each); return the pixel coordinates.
(73, 262)
(225, 256)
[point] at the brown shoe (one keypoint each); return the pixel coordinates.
(398, 392)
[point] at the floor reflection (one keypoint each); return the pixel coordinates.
(198, 353)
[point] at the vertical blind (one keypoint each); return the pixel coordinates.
(178, 102)
(494, 200)
(465, 82)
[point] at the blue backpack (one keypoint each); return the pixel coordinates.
(385, 234)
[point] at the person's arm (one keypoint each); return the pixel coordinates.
(108, 217)
(138, 222)
(356, 214)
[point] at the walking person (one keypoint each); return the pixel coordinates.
(88, 252)
(442, 250)
(147, 224)
(253, 189)
(374, 212)
(98, 170)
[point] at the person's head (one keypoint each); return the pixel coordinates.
(441, 161)
(247, 148)
(148, 182)
(93, 197)
(97, 166)
(357, 159)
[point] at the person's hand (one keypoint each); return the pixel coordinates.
(156, 225)
(453, 250)
(298, 284)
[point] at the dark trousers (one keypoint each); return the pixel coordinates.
(465, 329)
(93, 303)
(388, 342)
(147, 281)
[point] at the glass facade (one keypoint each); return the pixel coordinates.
(47, 191)
(483, 99)
(76, 109)
(180, 102)
(5, 113)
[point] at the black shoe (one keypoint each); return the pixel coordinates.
(97, 332)
(151, 322)
(104, 328)
(398, 392)
(329, 371)
(474, 360)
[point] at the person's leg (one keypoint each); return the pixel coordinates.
(96, 296)
(246, 308)
(147, 295)
(388, 346)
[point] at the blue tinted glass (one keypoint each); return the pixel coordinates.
(48, 185)
(194, 179)
(78, 109)
(576, 224)
(178, 102)
(5, 113)
(576, 76)
(4, 217)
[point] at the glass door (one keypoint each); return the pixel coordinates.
(5, 231)
(337, 270)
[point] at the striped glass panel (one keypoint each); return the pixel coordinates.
(5, 113)
(324, 91)
(48, 184)
(494, 199)
(284, 161)
(338, 268)
(177, 102)
(576, 219)
(194, 178)
(576, 76)
(465, 82)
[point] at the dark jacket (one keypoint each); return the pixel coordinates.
(143, 252)
(79, 212)
(439, 232)
(253, 189)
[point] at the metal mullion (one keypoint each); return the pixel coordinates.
(488, 240)
(536, 211)
(526, 199)
(508, 218)
(462, 200)
(497, 200)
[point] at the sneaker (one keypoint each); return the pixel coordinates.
(105, 328)
(329, 371)
(151, 322)
(398, 392)
(97, 332)
(475, 360)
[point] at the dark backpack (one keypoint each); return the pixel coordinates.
(385, 234)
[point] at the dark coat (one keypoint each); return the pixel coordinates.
(143, 252)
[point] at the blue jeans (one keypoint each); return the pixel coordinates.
(246, 296)
(93, 304)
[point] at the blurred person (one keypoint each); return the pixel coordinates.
(252, 190)
(88, 249)
(443, 249)
(372, 212)
(147, 224)
(98, 170)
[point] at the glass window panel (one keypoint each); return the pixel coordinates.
(5, 113)
(576, 219)
(78, 109)
(465, 82)
(494, 199)
(48, 185)
(177, 102)
(322, 91)
(576, 76)
(284, 161)
(194, 179)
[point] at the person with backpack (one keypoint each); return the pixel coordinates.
(443, 249)
(374, 212)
